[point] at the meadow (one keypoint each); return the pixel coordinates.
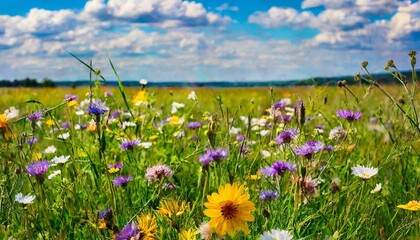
(251, 163)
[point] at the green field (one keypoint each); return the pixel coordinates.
(322, 198)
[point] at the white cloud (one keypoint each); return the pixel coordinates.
(227, 7)
(282, 17)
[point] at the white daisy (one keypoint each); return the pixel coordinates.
(145, 144)
(59, 160)
(176, 106)
(50, 149)
(364, 172)
(143, 81)
(276, 234)
(192, 96)
(55, 173)
(377, 188)
(64, 135)
(234, 130)
(28, 199)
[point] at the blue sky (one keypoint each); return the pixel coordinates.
(175, 40)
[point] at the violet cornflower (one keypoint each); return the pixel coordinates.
(278, 168)
(286, 137)
(280, 104)
(65, 125)
(34, 116)
(309, 149)
(349, 115)
(128, 232)
(193, 125)
(38, 169)
(129, 145)
(115, 114)
(240, 137)
(286, 118)
(267, 195)
(122, 181)
(71, 97)
(32, 140)
(97, 108)
(158, 172)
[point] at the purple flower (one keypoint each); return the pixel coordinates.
(240, 137)
(129, 145)
(286, 118)
(105, 217)
(193, 125)
(116, 165)
(38, 169)
(128, 232)
(213, 155)
(308, 186)
(158, 172)
(98, 108)
(328, 148)
(115, 114)
(278, 168)
(122, 181)
(266, 195)
(32, 140)
(105, 213)
(34, 116)
(206, 159)
(108, 94)
(65, 125)
(71, 97)
(286, 136)
(280, 104)
(373, 120)
(309, 148)
(245, 150)
(349, 115)
(169, 185)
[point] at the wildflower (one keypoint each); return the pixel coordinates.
(115, 114)
(282, 103)
(309, 149)
(28, 199)
(128, 232)
(286, 137)
(265, 154)
(122, 181)
(377, 188)
(349, 115)
(192, 96)
(364, 172)
(240, 137)
(412, 206)
(38, 169)
(308, 186)
(143, 81)
(187, 234)
(229, 210)
(268, 195)
(338, 134)
(64, 135)
(129, 145)
(206, 232)
(158, 172)
(169, 185)
(171, 208)
(140, 98)
(234, 130)
(319, 129)
(113, 168)
(8, 115)
(278, 168)
(50, 149)
(193, 125)
(213, 155)
(59, 160)
(34, 116)
(71, 97)
(55, 173)
(108, 94)
(92, 126)
(176, 106)
(145, 144)
(276, 234)
(105, 218)
(147, 227)
(97, 108)
(65, 125)
(32, 140)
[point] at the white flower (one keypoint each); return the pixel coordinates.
(276, 234)
(24, 199)
(234, 130)
(143, 81)
(55, 173)
(59, 160)
(64, 135)
(50, 149)
(364, 172)
(77, 127)
(264, 132)
(265, 153)
(176, 106)
(338, 134)
(244, 119)
(206, 232)
(128, 124)
(11, 113)
(192, 96)
(80, 113)
(377, 188)
(145, 144)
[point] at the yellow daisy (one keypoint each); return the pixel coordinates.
(412, 206)
(187, 234)
(171, 208)
(147, 227)
(229, 210)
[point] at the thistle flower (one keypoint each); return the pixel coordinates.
(193, 125)
(128, 232)
(286, 137)
(276, 234)
(266, 195)
(308, 186)
(158, 172)
(28, 199)
(97, 108)
(38, 169)
(122, 181)
(349, 115)
(278, 168)
(34, 116)
(309, 149)
(364, 172)
(129, 145)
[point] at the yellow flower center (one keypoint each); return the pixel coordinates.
(229, 210)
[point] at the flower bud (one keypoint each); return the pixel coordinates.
(364, 64)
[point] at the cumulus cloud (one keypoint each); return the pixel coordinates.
(282, 17)
(227, 7)
(370, 7)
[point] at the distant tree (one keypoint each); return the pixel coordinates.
(46, 82)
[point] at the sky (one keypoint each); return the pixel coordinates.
(205, 40)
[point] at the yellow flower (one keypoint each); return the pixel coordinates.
(72, 103)
(113, 170)
(50, 122)
(3, 121)
(101, 223)
(92, 126)
(174, 120)
(140, 98)
(187, 234)
(147, 227)
(412, 206)
(153, 137)
(229, 210)
(171, 207)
